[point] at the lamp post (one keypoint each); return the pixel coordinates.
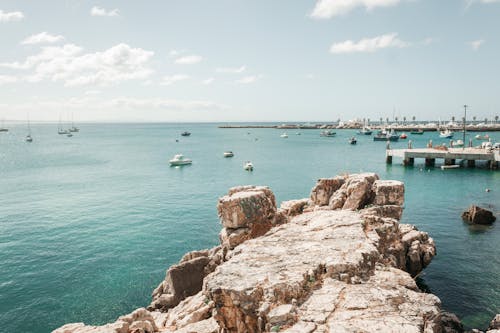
(465, 120)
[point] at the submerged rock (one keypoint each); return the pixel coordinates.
(478, 215)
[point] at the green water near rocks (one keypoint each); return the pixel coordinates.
(89, 224)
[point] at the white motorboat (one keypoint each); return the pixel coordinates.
(453, 166)
(447, 134)
(29, 138)
(179, 159)
(327, 133)
(284, 135)
(482, 137)
(458, 143)
(248, 166)
(228, 153)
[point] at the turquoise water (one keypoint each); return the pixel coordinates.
(89, 224)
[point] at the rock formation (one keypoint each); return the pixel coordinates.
(478, 215)
(339, 261)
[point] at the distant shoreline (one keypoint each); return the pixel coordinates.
(407, 128)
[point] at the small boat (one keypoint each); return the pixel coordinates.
(453, 166)
(327, 133)
(73, 128)
(482, 137)
(366, 131)
(447, 134)
(248, 166)
(417, 132)
(403, 136)
(386, 136)
(284, 135)
(69, 134)
(228, 153)
(185, 133)
(458, 143)
(28, 137)
(298, 133)
(179, 159)
(353, 141)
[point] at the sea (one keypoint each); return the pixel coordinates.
(89, 224)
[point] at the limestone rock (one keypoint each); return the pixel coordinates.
(388, 192)
(478, 215)
(355, 192)
(451, 323)
(392, 211)
(324, 188)
(495, 323)
(293, 208)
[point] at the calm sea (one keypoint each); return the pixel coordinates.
(89, 224)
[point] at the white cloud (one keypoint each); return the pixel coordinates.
(188, 60)
(249, 79)
(171, 79)
(92, 92)
(42, 38)
(4, 79)
(164, 104)
(329, 8)
(368, 44)
(231, 70)
(10, 16)
(310, 76)
(175, 53)
(208, 81)
(476, 44)
(68, 64)
(98, 11)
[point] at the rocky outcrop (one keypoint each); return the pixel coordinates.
(337, 262)
(478, 215)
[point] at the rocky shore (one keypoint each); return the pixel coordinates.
(338, 261)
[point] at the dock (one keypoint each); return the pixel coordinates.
(449, 156)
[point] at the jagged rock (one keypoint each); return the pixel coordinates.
(355, 192)
(292, 208)
(388, 192)
(281, 315)
(139, 321)
(191, 310)
(324, 188)
(451, 323)
(392, 211)
(495, 323)
(186, 278)
(204, 326)
(420, 248)
(478, 215)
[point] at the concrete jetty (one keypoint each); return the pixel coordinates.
(449, 156)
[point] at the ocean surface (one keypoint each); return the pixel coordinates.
(89, 224)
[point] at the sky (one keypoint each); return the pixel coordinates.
(249, 61)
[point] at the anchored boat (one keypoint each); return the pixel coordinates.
(179, 159)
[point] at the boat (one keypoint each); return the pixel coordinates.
(29, 138)
(73, 128)
(447, 134)
(69, 134)
(453, 166)
(228, 153)
(298, 133)
(284, 135)
(327, 133)
(458, 143)
(417, 132)
(482, 137)
(179, 159)
(403, 136)
(365, 131)
(185, 133)
(386, 137)
(60, 130)
(248, 166)
(353, 140)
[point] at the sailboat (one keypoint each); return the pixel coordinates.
(60, 130)
(29, 138)
(3, 128)
(73, 128)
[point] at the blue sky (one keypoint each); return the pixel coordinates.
(259, 60)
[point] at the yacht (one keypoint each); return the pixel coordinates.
(179, 159)
(327, 133)
(284, 135)
(366, 131)
(228, 153)
(386, 136)
(73, 128)
(28, 137)
(458, 143)
(185, 133)
(248, 166)
(447, 134)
